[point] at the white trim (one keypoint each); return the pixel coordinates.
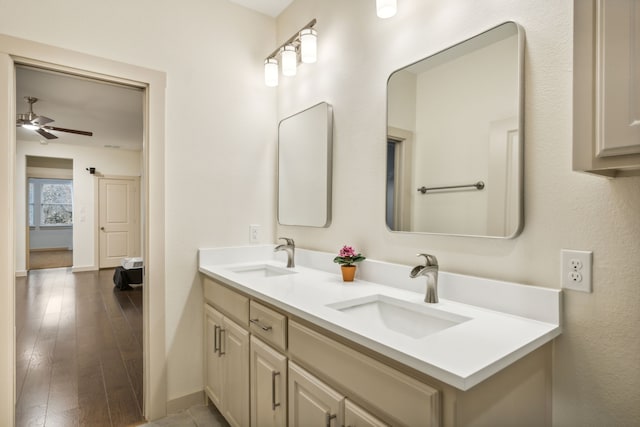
(154, 82)
(187, 401)
(21, 273)
(84, 268)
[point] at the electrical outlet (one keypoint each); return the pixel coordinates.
(254, 233)
(576, 270)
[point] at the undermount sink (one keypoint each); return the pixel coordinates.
(262, 270)
(407, 318)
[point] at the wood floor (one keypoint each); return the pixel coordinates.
(78, 350)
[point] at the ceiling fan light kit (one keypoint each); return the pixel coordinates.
(39, 124)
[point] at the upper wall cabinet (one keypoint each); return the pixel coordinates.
(606, 92)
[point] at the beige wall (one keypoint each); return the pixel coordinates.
(220, 130)
(106, 162)
(220, 156)
(596, 360)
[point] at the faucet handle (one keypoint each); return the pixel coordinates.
(429, 260)
(288, 240)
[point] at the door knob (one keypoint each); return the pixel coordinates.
(102, 228)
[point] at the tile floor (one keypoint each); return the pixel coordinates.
(196, 416)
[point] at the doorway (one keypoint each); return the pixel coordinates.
(153, 83)
(49, 212)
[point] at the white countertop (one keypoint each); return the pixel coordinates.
(461, 356)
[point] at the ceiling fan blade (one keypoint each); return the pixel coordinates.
(41, 120)
(46, 134)
(77, 132)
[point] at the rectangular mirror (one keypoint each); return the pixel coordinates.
(455, 139)
(304, 167)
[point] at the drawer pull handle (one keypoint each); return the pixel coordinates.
(260, 325)
(274, 405)
(216, 339)
(329, 418)
(221, 341)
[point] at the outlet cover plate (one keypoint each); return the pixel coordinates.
(576, 269)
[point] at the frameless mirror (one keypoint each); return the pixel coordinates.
(304, 167)
(455, 139)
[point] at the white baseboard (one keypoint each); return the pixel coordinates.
(185, 402)
(84, 268)
(21, 273)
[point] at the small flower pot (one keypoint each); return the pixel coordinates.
(348, 272)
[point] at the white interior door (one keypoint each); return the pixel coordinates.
(503, 207)
(119, 219)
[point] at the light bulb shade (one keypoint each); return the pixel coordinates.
(271, 72)
(386, 8)
(289, 60)
(308, 45)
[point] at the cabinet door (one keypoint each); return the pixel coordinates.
(355, 416)
(268, 372)
(235, 353)
(618, 91)
(213, 360)
(311, 402)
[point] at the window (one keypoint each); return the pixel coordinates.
(50, 202)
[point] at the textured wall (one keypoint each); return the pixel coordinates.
(597, 359)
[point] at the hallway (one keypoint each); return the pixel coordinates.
(78, 350)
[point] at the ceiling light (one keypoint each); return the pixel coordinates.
(308, 45)
(386, 8)
(29, 126)
(271, 72)
(289, 58)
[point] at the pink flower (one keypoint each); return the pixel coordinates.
(348, 255)
(347, 251)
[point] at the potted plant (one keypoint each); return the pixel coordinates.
(346, 258)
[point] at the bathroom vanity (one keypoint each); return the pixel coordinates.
(300, 347)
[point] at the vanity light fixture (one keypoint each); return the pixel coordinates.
(301, 47)
(289, 56)
(386, 8)
(308, 45)
(271, 72)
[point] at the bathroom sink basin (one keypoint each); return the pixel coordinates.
(262, 270)
(407, 318)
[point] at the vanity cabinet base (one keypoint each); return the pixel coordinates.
(518, 395)
(331, 378)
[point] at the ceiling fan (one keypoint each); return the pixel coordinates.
(37, 123)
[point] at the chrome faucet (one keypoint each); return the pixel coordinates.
(430, 270)
(290, 248)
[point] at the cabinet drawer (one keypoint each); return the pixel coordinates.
(402, 399)
(229, 302)
(268, 324)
